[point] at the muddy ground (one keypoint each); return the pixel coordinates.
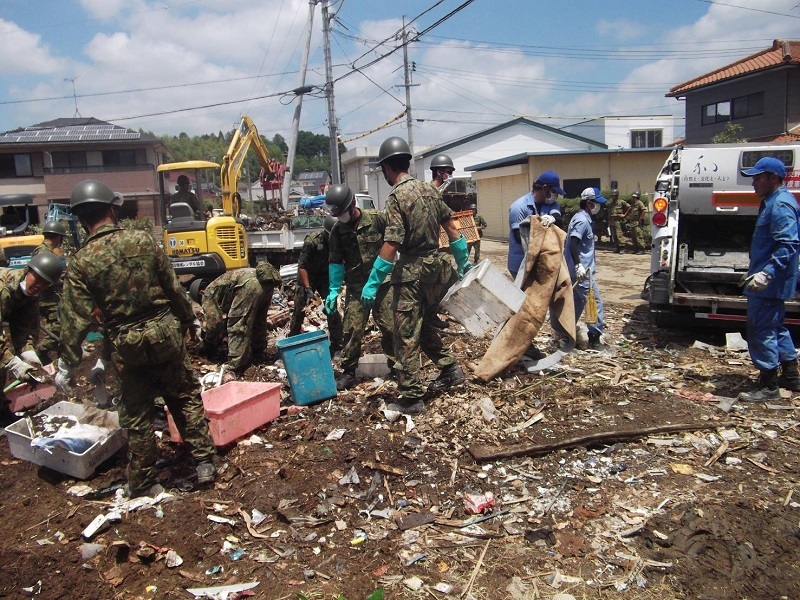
(677, 494)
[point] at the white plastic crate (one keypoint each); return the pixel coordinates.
(483, 299)
(80, 466)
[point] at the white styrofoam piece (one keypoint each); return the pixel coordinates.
(371, 366)
(81, 466)
(484, 299)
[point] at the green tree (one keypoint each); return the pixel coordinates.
(732, 134)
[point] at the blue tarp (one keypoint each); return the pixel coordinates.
(312, 201)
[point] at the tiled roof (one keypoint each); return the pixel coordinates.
(71, 130)
(782, 52)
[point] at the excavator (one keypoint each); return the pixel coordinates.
(200, 248)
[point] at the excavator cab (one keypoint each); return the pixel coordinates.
(17, 216)
(196, 247)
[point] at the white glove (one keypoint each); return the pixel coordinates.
(757, 282)
(547, 220)
(195, 329)
(62, 378)
(30, 357)
(580, 272)
(98, 372)
(19, 368)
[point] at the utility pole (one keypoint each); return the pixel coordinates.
(332, 125)
(287, 178)
(408, 85)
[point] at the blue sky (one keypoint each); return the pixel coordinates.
(151, 64)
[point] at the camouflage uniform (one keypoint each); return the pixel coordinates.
(639, 225)
(144, 310)
(21, 312)
(237, 302)
(314, 259)
(480, 223)
(616, 209)
(3, 259)
(48, 311)
(420, 279)
(356, 244)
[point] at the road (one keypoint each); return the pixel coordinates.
(620, 276)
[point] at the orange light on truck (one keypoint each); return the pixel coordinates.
(660, 204)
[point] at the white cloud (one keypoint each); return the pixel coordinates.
(104, 9)
(621, 30)
(22, 52)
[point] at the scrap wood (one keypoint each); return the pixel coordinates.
(761, 465)
(481, 452)
(252, 530)
(723, 448)
(384, 468)
(475, 571)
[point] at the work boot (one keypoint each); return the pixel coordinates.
(449, 377)
(767, 390)
(407, 407)
(595, 340)
(150, 491)
(789, 378)
(206, 349)
(206, 472)
(346, 380)
(534, 353)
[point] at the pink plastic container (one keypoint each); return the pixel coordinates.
(24, 396)
(235, 409)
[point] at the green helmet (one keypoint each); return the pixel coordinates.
(338, 197)
(393, 146)
(330, 221)
(267, 274)
(54, 227)
(47, 265)
(442, 161)
(94, 192)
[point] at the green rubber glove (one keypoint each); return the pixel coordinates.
(380, 269)
(335, 279)
(461, 254)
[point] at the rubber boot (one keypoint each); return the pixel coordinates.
(347, 380)
(789, 378)
(767, 388)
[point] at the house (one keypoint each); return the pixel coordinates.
(502, 181)
(314, 182)
(760, 92)
(507, 139)
(48, 159)
(632, 131)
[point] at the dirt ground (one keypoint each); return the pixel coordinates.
(626, 474)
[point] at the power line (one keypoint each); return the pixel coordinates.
(760, 10)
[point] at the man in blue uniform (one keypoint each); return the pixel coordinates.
(542, 200)
(771, 279)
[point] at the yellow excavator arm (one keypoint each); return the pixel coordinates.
(245, 136)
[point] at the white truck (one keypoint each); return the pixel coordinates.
(704, 212)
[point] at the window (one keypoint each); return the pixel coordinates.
(646, 138)
(65, 160)
(730, 110)
(16, 165)
(119, 157)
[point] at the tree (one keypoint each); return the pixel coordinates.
(731, 135)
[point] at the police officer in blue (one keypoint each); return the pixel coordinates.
(542, 200)
(579, 254)
(770, 280)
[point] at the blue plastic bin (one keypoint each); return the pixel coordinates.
(307, 358)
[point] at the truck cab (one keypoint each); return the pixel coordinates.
(364, 202)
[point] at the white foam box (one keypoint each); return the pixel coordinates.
(484, 299)
(372, 365)
(80, 466)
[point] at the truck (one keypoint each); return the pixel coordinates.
(200, 250)
(704, 212)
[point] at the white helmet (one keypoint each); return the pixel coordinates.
(588, 194)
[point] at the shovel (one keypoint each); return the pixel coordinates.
(101, 394)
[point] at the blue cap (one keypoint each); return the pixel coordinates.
(551, 180)
(598, 197)
(767, 164)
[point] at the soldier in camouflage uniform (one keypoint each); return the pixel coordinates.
(3, 259)
(354, 243)
(312, 277)
(421, 277)
(480, 224)
(54, 233)
(639, 225)
(145, 313)
(236, 302)
(617, 213)
(19, 292)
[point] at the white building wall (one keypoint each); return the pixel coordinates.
(615, 132)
